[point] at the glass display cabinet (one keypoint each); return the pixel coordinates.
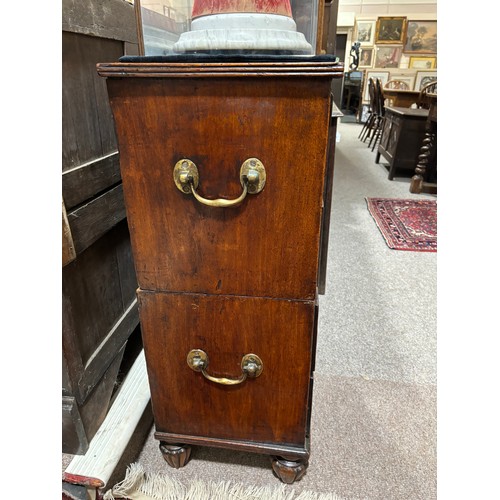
(207, 26)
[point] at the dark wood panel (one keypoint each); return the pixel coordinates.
(92, 220)
(68, 247)
(270, 408)
(85, 181)
(404, 130)
(294, 452)
(116, 339)
(125, 260)
(74, 440)
(87, 123)
(131, 49)
(81, 420)
(100, 18)
(179, 243)
(93, 411)
(99, 307)
(327, 206)
(92, 290)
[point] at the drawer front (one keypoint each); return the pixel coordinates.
(271, 408)
(266, 246)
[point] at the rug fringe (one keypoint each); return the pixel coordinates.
(140, 485)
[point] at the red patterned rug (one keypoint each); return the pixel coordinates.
(406, 224)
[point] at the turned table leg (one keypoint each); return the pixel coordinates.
(289, 471)
(417, 180)
(175, 455)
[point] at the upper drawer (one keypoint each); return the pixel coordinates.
(266, 246)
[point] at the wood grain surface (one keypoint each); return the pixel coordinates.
(268, 246)
(270, 408)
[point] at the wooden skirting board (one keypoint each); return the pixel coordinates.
(108, 445)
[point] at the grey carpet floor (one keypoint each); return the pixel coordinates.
(374, 405)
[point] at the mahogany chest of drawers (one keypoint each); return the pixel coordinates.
(223, 167)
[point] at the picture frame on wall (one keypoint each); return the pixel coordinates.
(388, 56)
(365, 32)
(421, 37)
(390, 30)
(366, 57)
(423, 78)
(382, 75)
(424, 63)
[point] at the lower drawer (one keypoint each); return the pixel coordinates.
(271, 408)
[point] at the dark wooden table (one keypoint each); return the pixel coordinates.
(402, 136)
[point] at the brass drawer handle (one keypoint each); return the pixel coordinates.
(251, 366)
(252, 178)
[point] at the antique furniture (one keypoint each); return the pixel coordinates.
(401, 98)
(396, 84)
(425, 178)
(375, 121)
(224, 163)
(368, 126)
(393, 85)
(327, 199)
(427, 94)
(402, 135)
(99, 308)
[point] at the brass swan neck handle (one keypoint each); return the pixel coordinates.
(251, 367)
(252, 178)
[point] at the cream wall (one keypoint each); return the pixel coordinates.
(351, 10)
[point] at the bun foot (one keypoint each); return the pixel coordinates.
(287, 470)
(175, 455)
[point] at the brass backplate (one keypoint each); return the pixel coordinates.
(184, 171)
(250, 166)
(249, 359)
(197, 360)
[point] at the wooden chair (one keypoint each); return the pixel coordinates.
(424, 100)
(366, 131)
(379, 121)
(396, 84)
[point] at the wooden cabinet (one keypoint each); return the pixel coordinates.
(100, 311)
(401, 138)
(228, 294)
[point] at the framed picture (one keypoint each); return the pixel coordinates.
(390, 30)
(388, 56)
(422, 62)
(365, 32)
(408, 79)
(382, 75)
(423, 78)
(421, 37)
(366, 57)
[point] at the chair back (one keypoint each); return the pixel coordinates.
(424, 98)
(373, 95)
(380, 97)
(397, 85)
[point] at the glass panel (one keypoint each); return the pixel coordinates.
(278, 27)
